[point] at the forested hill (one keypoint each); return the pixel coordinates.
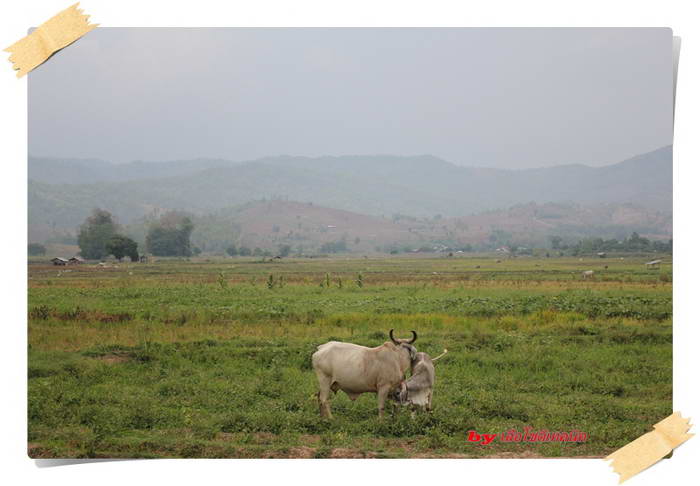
(63, 192)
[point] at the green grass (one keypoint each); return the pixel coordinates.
(204, 359)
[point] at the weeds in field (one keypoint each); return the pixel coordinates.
(178, 365)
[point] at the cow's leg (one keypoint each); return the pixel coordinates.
(324, 394)
(382, 394)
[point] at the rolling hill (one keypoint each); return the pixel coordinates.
(307, 227)
(63, 192)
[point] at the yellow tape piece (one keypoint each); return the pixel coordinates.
(651, 447)
(53, 35)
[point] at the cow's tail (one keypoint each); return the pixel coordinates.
(444, 352)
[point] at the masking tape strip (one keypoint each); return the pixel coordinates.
(651, 447)
(53, 35)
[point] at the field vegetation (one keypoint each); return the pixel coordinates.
(211, 358)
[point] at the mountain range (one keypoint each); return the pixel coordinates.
(62, 192)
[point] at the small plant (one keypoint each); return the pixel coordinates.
(221, 280)
(359, 281)
(328, 280)
(340, 283)
(41, 312)
(271, 282)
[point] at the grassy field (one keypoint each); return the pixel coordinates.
(212, 358)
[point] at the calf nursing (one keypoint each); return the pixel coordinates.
(417, 391)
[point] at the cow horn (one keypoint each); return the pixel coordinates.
(391, 336)
(415, 336)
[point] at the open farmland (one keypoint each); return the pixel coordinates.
(212, 358)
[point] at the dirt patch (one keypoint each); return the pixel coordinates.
(516, 455)
(450, 455)
(343, 453)
(302, 452)
(36, 451)
(264, 438)
(114, 358)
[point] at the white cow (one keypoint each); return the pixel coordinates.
(358, 369)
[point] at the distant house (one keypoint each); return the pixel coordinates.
(76, 260)
(653, 264)
(143, 259)
(601, 254)
(59, 261)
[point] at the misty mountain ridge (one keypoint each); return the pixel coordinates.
(87, 171)
(54, 170)
(62, 192)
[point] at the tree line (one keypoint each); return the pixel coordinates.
(633, 243)
(100, 236)
(169, 235)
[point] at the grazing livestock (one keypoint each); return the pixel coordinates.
(417, 391)
(358, 369)
(653, 264)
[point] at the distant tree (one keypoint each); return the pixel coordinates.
(357, 240)
(121, 246)
(244, 251)
(35, 249)
(285, 250)
(556, 242)
(94, 234)
(232, 250)
(334, 247)
(196, 250)
(170, 236)
(257, 251)
(500, 237)
(636, 242)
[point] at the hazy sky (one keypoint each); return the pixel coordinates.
(510, 98)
